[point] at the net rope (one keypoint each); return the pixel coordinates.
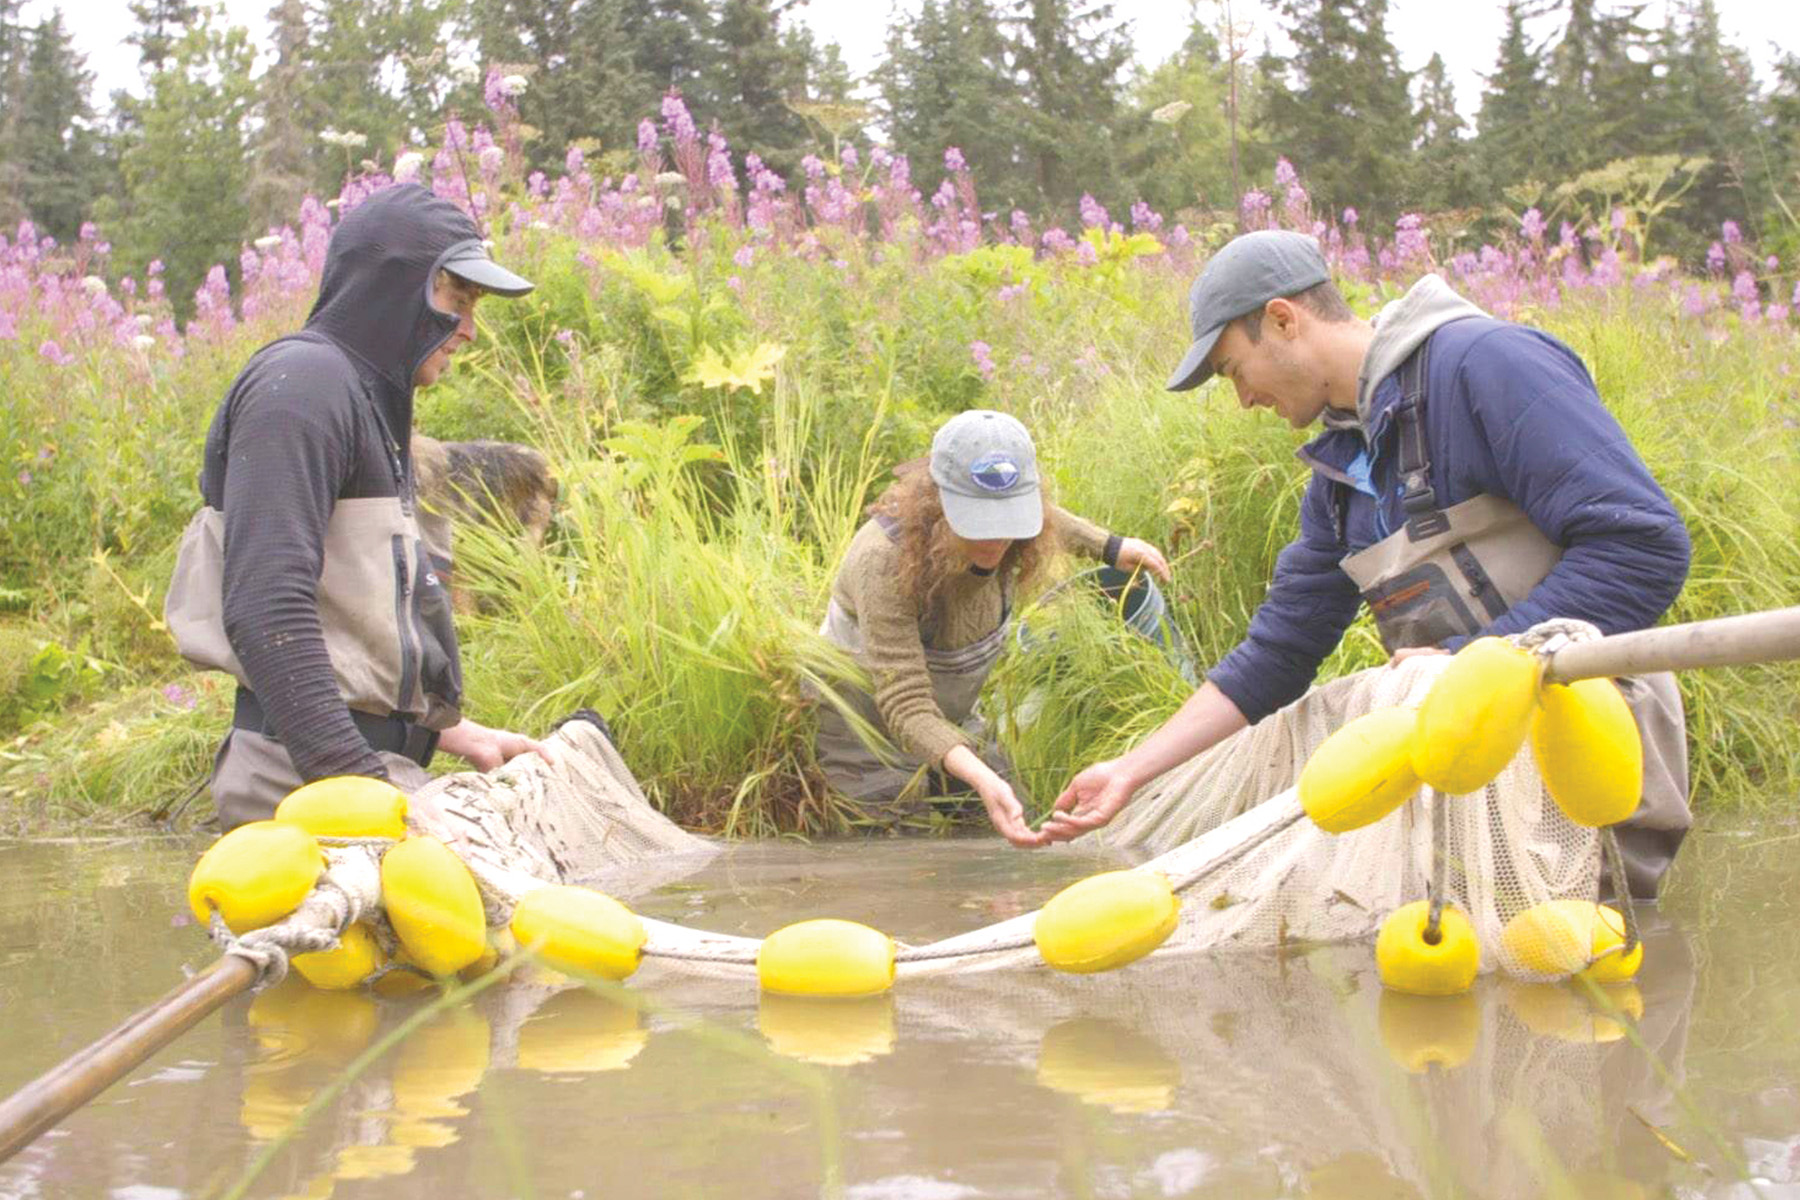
(1226, 828)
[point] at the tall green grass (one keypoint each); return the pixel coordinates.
(689, 566)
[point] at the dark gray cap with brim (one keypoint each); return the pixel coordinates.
(1246, 273)
(471, 261)
(985, 468)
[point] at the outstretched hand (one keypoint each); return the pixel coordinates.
(1092, 798)
(487, 748)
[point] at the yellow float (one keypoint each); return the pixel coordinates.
(357, 957)
(1362, 772)
(828, 1031)
(1588, 750)
(433, 905)
(1476, 715)
(1106, 921)
(346, 806)
(1410, 961)
(580, 930)
(1421, 1032)
(1571, 937)
(826, 957)
(255, 875)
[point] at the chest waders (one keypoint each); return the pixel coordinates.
(387, 627)
(1449, 572)
(956, 678)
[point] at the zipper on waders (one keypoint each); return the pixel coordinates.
(409, 665)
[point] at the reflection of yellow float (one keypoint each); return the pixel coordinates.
(578, 1032)
(433, 1070)
(1101, 1062)
(1565, 1012)
(1421, 1032)
(829, 1031)
(1357, 1177)
(303, 1023)
(1602, 1185)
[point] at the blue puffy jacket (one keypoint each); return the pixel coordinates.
(1510, 411)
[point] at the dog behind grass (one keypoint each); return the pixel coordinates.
(495, 483)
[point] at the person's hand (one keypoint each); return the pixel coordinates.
(1007, 815)
(487, 748)
(1135, 554)
(1406, 652)
(1092, 798)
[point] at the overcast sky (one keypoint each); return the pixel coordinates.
(1465, 32)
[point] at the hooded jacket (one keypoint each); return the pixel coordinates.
(1510, 412)
(303, 575)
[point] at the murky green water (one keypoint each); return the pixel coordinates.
(1244, 1075)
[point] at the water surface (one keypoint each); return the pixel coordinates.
(1240, 1075)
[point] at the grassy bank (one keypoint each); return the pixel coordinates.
(718, 414)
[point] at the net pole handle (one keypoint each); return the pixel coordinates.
(50, 1097)
(1762, 637)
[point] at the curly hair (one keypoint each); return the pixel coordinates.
(928, 557)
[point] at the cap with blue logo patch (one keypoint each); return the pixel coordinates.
(986, 470)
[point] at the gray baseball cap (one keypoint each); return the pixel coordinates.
(470, 260)
(1246, 273)
(985, 468)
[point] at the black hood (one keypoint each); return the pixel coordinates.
(374, 296)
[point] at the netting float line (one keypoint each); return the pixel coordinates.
(1299, 829)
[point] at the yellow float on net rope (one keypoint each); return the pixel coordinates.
(255, 875)
(1106, 921)
(356, 957)
(1572, 937)
(433, 904)
(1588, 750)
(1476, 715)
(346, 806)
(580, 930)
(826, 957)
(1411, 961)
(1362, 772)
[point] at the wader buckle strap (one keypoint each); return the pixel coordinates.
(393, 734)
(1424, 518)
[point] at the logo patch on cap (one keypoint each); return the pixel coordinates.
(994, 472)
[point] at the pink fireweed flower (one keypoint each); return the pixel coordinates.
(1092, 213)
(55, 353)
(1743, 288)
(1771, 264)
(1085, 254)
(647, 139)
(1146, 218)
(1777, 314)
(179, 696)
(1618, 220)
(983, 354)
(1013, 291)
(734, 283)
(1179, 236)
(1254, 208)
(1730, 232)
(677, 120)
(953, 160)
(1532, 225)
(1056, 241)
(745, 255)
(847, 158)
(1021, 226)
(1285, 175)
(1715, 258)
(1693, 301)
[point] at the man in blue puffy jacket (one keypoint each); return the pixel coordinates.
(1468, 481)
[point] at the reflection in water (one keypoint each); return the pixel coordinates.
(1102, 1062)
(828, 1031)
(1231, 1075)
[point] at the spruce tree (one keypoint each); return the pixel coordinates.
(1444, 168)
(1178, 149)
(57, 144)
(283, 152)
(1708, 111)
(12, 104)
(1069, 56)
(1509, 146)
(759, 65)
(1340, 109)
(945, 82)
(160, 24)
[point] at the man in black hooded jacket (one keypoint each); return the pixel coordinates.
(304, 575)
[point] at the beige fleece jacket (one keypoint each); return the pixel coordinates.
(896, 633)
